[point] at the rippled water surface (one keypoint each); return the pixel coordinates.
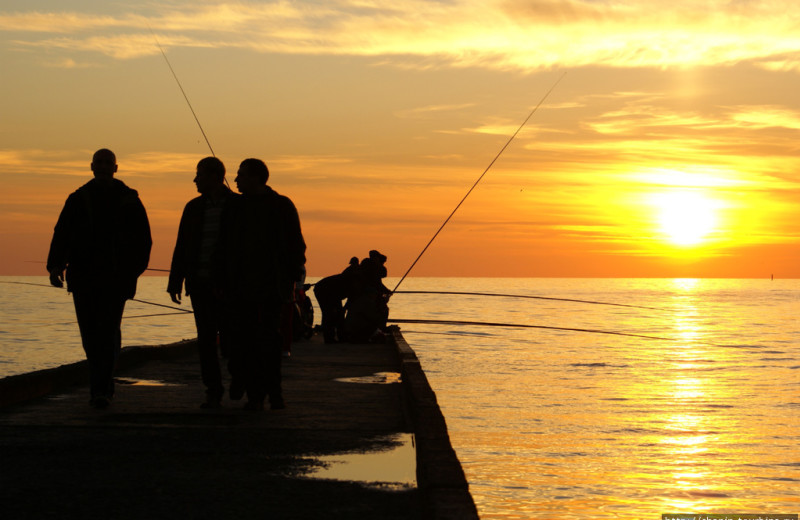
(38, 328)
(558, 424)
(702, 416)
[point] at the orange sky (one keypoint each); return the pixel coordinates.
(670, 149)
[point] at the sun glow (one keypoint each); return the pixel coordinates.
(686, 218)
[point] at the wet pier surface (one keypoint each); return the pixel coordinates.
(155, 454)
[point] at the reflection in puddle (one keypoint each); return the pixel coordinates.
(394, 468)
(379, 378)
(143, 382)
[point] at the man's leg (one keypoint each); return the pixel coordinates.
(99, 316)
(207, 319)
(272, 342)
(330, 315)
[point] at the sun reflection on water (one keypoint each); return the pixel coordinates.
(695, 435)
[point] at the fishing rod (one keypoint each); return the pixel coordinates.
(161, 305)
(164, 54)
(29, 283)
(148, 269)
(533, 298)
(496, 157)
(524, 326)
(154, 315)
(185, 311)
(66, 323)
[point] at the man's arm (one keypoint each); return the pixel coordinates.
(178, 267)
(295, 243)
(59, 246)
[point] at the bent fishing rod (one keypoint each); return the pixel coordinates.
(485, 171)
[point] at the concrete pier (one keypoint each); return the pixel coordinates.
(155, 454)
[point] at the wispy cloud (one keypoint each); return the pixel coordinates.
(766, 116)
(505, 34)
(69, 63)
(425, 111)
(32, 162)
(25, 163)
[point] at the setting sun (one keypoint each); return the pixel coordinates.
(686, 218)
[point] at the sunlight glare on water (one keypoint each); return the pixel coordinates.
(555, 424)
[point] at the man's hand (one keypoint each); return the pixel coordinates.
(57, 278)
(176, 297)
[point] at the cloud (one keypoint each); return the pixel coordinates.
(766, 116)
(29, 163)
(60, 22)
(126, 46)
(421, 112)
(69, 63)
(510, 34)
(35, 162)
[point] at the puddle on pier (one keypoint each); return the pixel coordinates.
(128, 381)
(379, 378)
(394, 468)
(143, 382)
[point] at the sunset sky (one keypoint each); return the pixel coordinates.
(670, 148)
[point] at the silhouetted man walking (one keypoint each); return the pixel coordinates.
(264, 254)
(102, 239)
(195, 250)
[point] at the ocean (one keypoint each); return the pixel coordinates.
(684, 399)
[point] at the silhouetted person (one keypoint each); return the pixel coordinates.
(195, 250)
(330, 292)
(367, 309)
(102, 239)
(264, 254)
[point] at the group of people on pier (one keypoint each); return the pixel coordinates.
(363, 318)
(239, 257)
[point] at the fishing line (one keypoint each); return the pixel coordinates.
(161, 305)
(154, 315)
(524, 326)
(533, 298)
(31, 283)
(479, 179)
(148, 269)
(182, 91)
(63, 324)
(458, 334)
(184, 311)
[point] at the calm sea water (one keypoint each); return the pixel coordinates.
(558, 424)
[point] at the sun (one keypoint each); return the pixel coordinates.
(686, 217)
